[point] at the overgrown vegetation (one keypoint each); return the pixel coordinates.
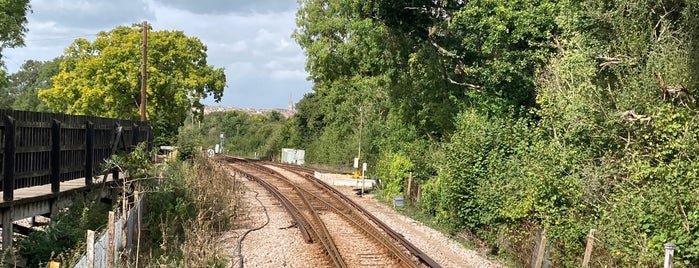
(64, 238)
(516, 116)
(189, 206)
(245, 135)
(512, 117)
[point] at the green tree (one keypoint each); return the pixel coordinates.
(24, 85)
(13, 26)
(102, 78)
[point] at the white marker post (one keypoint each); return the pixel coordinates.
(363, 171)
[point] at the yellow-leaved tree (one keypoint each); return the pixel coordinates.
(103, 77)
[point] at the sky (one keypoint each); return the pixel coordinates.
(251, 39)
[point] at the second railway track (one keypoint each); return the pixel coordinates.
(349, 235)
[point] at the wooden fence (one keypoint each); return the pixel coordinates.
(46, 148)
(118, 242)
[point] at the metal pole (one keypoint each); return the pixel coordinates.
(144, 74)
(669, 254)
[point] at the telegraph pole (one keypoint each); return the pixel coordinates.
(144, 74)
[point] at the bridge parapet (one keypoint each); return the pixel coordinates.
(44, 156)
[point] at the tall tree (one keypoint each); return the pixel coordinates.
(13, 21)
(24, 85)
(102, 78)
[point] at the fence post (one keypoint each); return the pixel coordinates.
(540, 253)
(110, 240)
(137, 222)
(535, 251)
(134, 135)
(588, 248)
(8, 184)
(669, 254)
(89, 151)
(55, 156)
(90, 251)
(410, 187)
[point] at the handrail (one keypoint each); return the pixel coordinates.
(47, 148)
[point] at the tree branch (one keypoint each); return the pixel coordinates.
(468, 85)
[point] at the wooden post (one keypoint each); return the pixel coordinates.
(7, 232)
(410, 185)
(588, 248)
(540, 253)
(8, 184)
(90, 251)
(137, 213)
(56, 156)
(134, 135)
(537, 242)
(110, 241)
(89, 149)
(144, 71)
(419, 194)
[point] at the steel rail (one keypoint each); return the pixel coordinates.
(361, 223)
(424, 258)
(323, 234)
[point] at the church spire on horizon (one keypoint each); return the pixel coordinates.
(291, 103)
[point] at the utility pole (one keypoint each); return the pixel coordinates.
(144, 74)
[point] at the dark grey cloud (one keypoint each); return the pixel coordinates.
(234, 6)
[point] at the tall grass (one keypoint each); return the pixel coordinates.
(189, 208)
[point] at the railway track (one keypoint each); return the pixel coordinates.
(350, 235)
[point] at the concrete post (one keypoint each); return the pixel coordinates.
(669, 254)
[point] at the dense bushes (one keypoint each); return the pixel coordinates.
(64, 238)
(518, 116)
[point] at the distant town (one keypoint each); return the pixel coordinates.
(251, 111)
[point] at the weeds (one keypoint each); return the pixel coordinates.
(189, 208)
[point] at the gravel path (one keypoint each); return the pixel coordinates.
(279, 243)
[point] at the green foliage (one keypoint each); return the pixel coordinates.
(188, 207)
(135, 164)
(498, 44)
(65, 236)
(393, 171)
(13, 23)
(24, 85)
(246, 134)
(516, 116)
(170, 204)
(13, 26)
(102, 78)
(189, 140)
